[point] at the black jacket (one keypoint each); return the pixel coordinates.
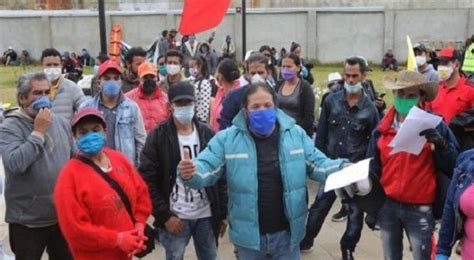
(158, 162)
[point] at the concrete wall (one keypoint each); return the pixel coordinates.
(327, 34)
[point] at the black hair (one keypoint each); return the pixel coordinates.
(294, 57)
(89, 118)
(201, 62)
(356, 61)
(205, 44)
(228, 69)
(50, 52)
(257, 57)
(133, 52)
(159, 57)
(265, 48)
(174, 53)
(164, 33)
(294, 46)
(253, 88)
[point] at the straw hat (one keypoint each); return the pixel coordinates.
(413, 79)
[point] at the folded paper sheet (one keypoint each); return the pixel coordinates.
(408, 137)
(348, 175)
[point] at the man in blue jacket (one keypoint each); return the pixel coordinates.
(347, 120)
(125, 127)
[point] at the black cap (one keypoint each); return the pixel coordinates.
(181, 90)
(419, 46)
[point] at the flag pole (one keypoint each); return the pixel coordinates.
(103, 40)
(244, 30)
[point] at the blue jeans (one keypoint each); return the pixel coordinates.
(318, 213)
(275, 246)
(416, 220)
(203, 236)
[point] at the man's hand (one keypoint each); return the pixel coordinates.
(224, 224)
(174, 226)
(379, 102)
(186, 166)
(42, 121)
(434, 137)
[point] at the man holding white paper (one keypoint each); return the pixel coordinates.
(347, 120)
(409, 179)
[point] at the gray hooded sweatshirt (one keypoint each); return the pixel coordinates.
(32, 165)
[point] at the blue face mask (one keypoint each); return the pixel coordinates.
(184, 115)
(111, 88)
(42, 102)
(261, 122)
(353, 89)
(91, 143)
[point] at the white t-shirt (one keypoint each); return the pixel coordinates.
(185, 202)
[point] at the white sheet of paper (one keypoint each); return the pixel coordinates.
(348, 175)
(408, 137)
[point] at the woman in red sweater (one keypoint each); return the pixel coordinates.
(91, 214)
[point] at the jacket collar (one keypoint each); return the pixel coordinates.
(285, 122)
(386, 124)
(361, 103)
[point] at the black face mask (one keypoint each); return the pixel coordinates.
(149, 86)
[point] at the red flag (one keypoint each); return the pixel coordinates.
(202, 15)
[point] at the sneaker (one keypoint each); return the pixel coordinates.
(340, 216)
(347, 254)
(306, 249)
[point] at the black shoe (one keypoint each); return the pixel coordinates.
(306, 248)
(340, 216)
(347, 254)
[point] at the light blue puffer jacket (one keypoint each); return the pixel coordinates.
(235, 149)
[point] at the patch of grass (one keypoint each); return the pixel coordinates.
(9, 77)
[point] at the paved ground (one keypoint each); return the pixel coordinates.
(326, 245)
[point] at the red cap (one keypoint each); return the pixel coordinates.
(87, 111)
(447, 53)
(108, 65)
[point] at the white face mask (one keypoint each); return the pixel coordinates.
(52, 74)
(173, 69)
(420, 60)
(257, 79)
(445, 72)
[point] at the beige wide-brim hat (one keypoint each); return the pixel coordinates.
(413, 79)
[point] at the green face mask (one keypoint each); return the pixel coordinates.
(403, 105)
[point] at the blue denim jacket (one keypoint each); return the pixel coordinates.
(452, 225)
(344, 131)
(130, 131)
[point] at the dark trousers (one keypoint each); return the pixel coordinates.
(29, 243)
(318, 212)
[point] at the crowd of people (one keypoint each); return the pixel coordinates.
(202, 148)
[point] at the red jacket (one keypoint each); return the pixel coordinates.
(154, 110)
(405, 177)
(91, 213)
